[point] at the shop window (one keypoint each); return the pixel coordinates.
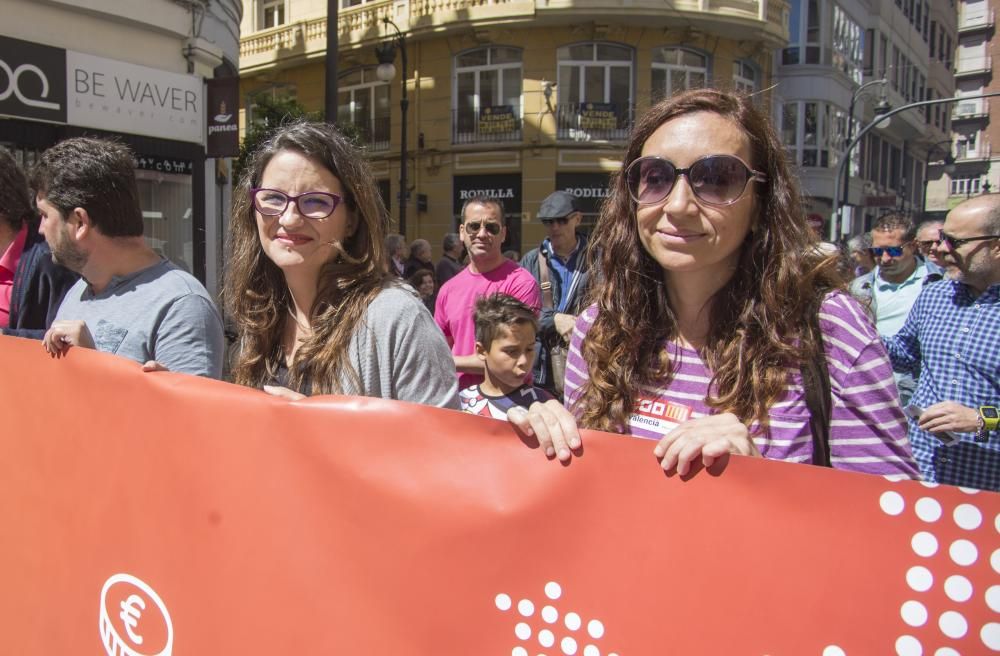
(486, 95)
(595, 91)
(272, 13)
(363, 101)
(165, 197)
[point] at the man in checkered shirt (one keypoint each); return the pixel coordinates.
(952, 338)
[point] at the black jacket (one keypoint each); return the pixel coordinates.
(547, 333)
(39, 288)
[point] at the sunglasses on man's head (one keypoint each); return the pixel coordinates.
(473, 227)
(893, 251)
(715, 179)
(561, 220)
(956, 242)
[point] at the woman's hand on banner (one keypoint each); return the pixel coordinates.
(708, 438)
(283, 392)
(552, 425)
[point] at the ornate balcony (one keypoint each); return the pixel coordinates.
(594, 121)
(488, 125)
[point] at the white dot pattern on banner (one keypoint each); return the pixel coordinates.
(990, 635)
(892, 503)
(522, 631)
(591, 650)
(518, 651)
(503, 601)
(545, 638)
(928, 509)
(946, 651)
(572, 621)
(953, 624)
(963, 552)
(993, 598)
(967, 516)
(833, 650)
(924, 544)
(908, 646)
(969, 490)
(525, 607)
(930, 484)
(553, 590)
(995, 561)
(568, 646)
(550, 614)
(914, 613)
(958, 588)
(996, 522)
(595, 629)
(919, 578)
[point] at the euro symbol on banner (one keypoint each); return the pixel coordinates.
(130, 616)
(13, 85)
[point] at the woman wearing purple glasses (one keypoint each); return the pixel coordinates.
(307, 282)
(712, 301)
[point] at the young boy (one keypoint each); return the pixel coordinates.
(505, 342)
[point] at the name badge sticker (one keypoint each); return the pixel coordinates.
(656, 415)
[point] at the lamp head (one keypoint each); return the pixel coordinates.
(386, 55)
(882, 108)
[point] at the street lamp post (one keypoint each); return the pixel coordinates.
(881, 109)
(842, 166)
(386, 54)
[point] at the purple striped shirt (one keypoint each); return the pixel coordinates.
(867, 428)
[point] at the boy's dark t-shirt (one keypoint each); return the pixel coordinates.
(474, 401)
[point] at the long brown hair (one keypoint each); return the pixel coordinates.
(760, 321)
(256, 295)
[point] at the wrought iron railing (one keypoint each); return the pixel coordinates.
(486, 125)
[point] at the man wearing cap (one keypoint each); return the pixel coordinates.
(559, 266)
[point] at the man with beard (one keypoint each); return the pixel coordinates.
(483, 230)
(951, 336)
(130, 301)
(894, 284)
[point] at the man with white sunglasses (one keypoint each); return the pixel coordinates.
(893, 285)
(951, 337)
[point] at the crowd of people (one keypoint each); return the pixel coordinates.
(702, 313)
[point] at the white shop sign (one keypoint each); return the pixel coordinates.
(111, 95)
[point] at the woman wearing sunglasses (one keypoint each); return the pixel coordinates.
(308, 286)
(709, 286)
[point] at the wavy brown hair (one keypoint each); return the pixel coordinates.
(762, 319)
(256, 295)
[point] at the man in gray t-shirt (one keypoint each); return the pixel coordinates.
(129, 301)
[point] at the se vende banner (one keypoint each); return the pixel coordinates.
(165, 514)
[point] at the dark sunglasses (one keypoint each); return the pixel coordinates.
(561, 220)
(955, 242)
(312, 204)
(926, 244)
(715, 179)
(893, 251)
(473, 227)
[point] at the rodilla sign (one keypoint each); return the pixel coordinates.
(167, 514)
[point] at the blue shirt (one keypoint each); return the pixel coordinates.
(567, 270)
(953, 339)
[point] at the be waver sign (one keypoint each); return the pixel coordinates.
(62, 86)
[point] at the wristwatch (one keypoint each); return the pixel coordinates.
(989, 420)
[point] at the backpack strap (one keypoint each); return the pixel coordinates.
(816, 384)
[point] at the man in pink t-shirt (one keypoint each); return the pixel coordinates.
(482, 231)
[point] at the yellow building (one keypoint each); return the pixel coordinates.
(511, 98)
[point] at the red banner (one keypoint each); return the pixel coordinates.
(166, 514)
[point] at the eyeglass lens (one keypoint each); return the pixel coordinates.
(893, 251)
(561, 220)
(716, 179)
(313, 205)
(473, 227)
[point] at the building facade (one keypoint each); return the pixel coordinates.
(967, 167)
(844, 59)
(135, 72)
(509, 98)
